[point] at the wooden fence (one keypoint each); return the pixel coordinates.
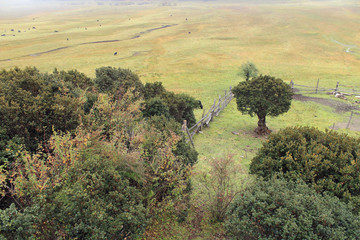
(350, 124)
(339, 88)
(205, 120)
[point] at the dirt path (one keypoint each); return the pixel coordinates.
(340, 107)
(137, 35)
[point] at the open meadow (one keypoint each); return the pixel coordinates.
(197, 48)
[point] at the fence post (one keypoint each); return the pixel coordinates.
(317, 85)
(186, 130)
(202, 120)
(348, 125)
(292, 84)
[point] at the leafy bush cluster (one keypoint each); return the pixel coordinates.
(307, 188)
(79, 159)
(327, 161)
(158, 101)
(280, 209)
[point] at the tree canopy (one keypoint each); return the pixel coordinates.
(248, 70)
(328, 161)
(263, 96)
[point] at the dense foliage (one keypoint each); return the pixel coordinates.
(117, 81)
(102, 170)
(33, 105)
(180, 106)
(277, 209)
(263, 96)
(328, 161)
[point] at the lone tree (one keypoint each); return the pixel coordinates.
(263, 96)
(248, 70)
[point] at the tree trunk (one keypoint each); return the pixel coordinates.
(262, 129)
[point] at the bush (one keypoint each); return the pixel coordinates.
(32, 105)
(155, 107)
(328, 161)
(181, 106)
(277, 209)
(84, 189)
(220, 185)
(117, 81)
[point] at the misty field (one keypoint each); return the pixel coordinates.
(197, 48)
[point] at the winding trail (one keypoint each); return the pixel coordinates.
(337, 105)
(349, 48)
(137, 35)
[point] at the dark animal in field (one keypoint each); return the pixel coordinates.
(97, 20)
(3, 35)
(56, 31)
(189, 32)
(67, 39)
(19, 31)
(33, 27)
(115, 53)
(200, 104)
(12, 30)
(186, 19)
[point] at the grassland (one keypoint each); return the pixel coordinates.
(199, 52)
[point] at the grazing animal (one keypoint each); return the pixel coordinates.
(67, 39)
(189, 32)
(200, 104)
(115, 53)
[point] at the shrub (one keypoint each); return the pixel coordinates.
(277, 209)
(155, 107)
(117, 81)
(32, 105)
(181, 106)
(220, 185)
(328, 161)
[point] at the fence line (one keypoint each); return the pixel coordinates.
(349, 123)
(339, 88)
(205, 120)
